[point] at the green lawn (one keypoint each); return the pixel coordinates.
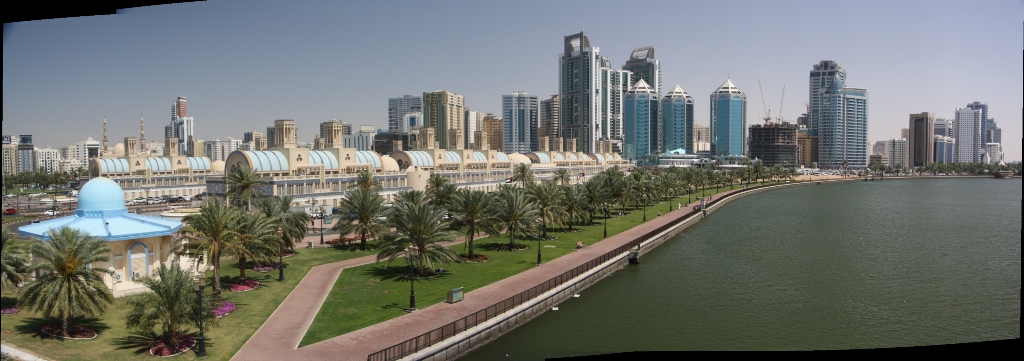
(370, 294)
(115, 343)
(361, 297)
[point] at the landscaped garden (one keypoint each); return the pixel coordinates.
(114, 342)
(410, 238)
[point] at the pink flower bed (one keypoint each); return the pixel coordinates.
(74, 331)
(245, 285)
(225, 308)
(160, 348)
(8, 311)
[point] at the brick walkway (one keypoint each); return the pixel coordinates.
(279, 337)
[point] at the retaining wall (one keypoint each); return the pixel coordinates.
(472, 338)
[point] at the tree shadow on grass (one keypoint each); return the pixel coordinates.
(141, 341)
(401, 274)
(33, 326)
(504, 246)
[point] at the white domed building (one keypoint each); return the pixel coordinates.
(138, 244)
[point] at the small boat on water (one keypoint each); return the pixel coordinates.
(1003, 174)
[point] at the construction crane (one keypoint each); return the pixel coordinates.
(763, 103)
(781, 101)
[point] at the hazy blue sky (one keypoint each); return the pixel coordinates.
(243, 64)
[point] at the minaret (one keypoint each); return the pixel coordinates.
(142, 134)
(106, 146)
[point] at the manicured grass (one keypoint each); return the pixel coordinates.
(369, 294)
(223, 340)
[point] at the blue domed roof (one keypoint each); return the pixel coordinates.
(100, 194)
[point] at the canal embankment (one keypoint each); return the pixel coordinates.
(575, 272)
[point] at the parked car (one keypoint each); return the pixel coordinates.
(139, 200)
(186, 198)
(51, 212)
(10, 211)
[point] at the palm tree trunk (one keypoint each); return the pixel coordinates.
(511, 235)
(64, 326)
(469, 241)
(241, 267)
(363, 240)
(216, 274)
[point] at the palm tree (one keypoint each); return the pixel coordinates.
(14, 262)
(293, 224)
(67, 287)
(548, 199)
(442, 196)
(360, 213)
(243, 184)
(173, 305)
(409, 197)
(212, 231)
(435, 182)
(522, 174)
(257, 238)
(422, 227)
(562, 175)
(516, 212)
(471, 208)
(365, 181)
(575, 197)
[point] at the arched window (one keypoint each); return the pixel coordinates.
(138, 261)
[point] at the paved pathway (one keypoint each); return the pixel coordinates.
(279, 337)
(18, 354)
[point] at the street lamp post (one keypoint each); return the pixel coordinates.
(197, 284)
(412, 278)
(321, 225)
(280, 256)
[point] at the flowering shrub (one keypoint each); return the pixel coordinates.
(225, 308)
(74, 331)
(8, 310)
(160, 348)
(244, 285)
(266, 268)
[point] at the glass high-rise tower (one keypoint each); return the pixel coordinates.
(644, 66)
(838, 117)
(640, 121)
(677, 121)
(521, 112)
(590, 94)
(728, 121)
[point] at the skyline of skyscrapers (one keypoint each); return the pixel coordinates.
(182, 127)
(728, 121)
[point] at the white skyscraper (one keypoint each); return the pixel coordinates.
(590, 95)
(967, 132)
(521, 113)
(399, 107)
(181, 127)
(898, 152)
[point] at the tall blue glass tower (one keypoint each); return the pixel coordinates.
(640, 121)
(677, 121)
(728, 121)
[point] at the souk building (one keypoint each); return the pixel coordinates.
(140, 173)
(139, 244)
(324, 174)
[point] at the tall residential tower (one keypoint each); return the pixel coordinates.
(728, 121)
(838, 117)
(521, 112)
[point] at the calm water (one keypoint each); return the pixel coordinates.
(837, 266)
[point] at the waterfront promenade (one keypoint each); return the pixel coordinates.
(280, 335)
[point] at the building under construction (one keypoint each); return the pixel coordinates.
(774, 144)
